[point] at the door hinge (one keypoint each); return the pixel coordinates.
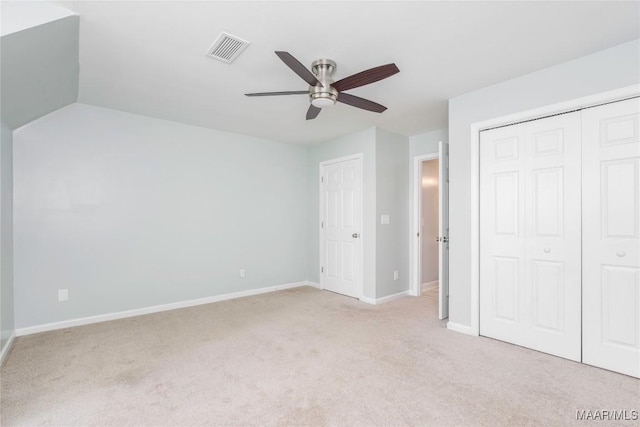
(417, 234)
(322, 179)
(321, 269)
(447, 174)
(321, 224)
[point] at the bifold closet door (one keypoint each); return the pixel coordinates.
(530, 269)
(611, 231)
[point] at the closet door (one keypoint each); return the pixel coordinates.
(611, 231)
(530, 234)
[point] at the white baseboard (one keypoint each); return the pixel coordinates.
(153, 309)
(7, 347)
(313, 284)
(457, 327)
(429, 285)
(377, 301)
(368, 300)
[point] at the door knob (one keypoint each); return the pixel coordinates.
(355, 235)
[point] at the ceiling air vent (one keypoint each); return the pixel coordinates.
(226, 48)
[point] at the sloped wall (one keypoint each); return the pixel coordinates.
(39, 74)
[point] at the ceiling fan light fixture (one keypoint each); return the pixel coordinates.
(323, 102)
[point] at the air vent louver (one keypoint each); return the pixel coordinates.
(226, 48)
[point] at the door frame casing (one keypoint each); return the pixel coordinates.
(416, 247)
(475, 129)
(322, 164)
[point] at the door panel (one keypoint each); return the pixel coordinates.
(443, 229)
(341, 207)
(553, 234)
(507, 284)
(611, 254)
(506, 203)
(619, 205)
(530, 234)
(502, 234)
(548, 292)
(620, 306)
(547, 202)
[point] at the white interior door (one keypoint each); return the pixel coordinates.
(443, 231)
(341, 226)
(611, 231)
(530, 242)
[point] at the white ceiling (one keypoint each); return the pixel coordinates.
(20, 15)
(148, 57)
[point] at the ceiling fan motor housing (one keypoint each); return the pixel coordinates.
(325, 95)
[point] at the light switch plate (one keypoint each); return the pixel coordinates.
(384, 219)
(63, 295)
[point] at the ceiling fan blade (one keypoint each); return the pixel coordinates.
(289, 92)
(313, 112)
(365, 77)
(298, 68)
(356, 101)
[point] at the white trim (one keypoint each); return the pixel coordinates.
(359, 157)
(153, 309)
(378, 301)
(7, 347)
(368, 300)
(475, 128)
(415, 249)
(341, 159)
(313, 284)
(461, 328)
(429, 285)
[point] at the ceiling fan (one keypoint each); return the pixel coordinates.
(324, 92)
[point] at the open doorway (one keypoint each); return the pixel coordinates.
(429, 237)
(431, 228)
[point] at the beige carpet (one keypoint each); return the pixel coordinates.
(431, 292)
(296, 357)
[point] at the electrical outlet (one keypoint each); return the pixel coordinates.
(63, 295)
(242, 273)
(395, 275)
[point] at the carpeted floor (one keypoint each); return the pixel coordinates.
(431, 292)
(296, 357)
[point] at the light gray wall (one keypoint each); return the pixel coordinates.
(360, 142)
(127, 212)
(429, 223)
(38, 74)
(7, 324)
(40, 69)
(426, 143)
(392, 198)
(609, 69)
